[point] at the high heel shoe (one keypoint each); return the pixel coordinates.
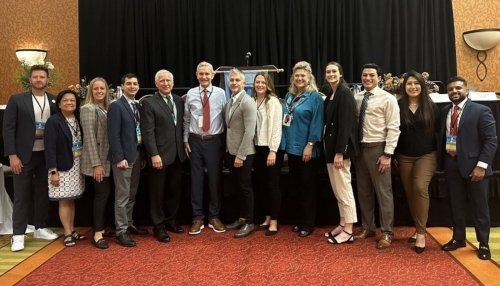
(333, 240)
(334, 231)
(413, 238)
(419, 249)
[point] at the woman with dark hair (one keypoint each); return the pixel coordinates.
(416, 150)
(340, 144)
(95, 163)
(301, 137)
(267, 141)
(63, 147)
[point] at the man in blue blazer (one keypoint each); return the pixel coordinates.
(467, 146)
(125, 143)
(23, 130)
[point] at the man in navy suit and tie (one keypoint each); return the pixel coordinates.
(468, 146)
(125, 144)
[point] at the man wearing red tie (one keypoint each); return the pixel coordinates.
(470, 141)
(203, 128)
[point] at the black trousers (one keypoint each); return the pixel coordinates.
(242, 182)
(267, 181)
(31, 186)
(304, 177)
(102, 190)
(165, 191)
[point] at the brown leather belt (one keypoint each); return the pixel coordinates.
(372, 144)
(204, 137)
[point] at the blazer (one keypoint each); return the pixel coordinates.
(274, 113)
(340, 124)
(95, 142)
(122, 135)
(160, 133)
(241, 120)
(19, 125)
(58, 143)
(476, 137)
(307, 125)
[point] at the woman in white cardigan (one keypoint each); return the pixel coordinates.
(267, 141)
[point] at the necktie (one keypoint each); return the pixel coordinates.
(136, 111)
(206, 111)
(362, 111)
(169, 103)
(454, 127)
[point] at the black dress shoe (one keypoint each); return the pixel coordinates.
(453, 245)
(161, 235)
(296, 228)
(125, 240)
(174, 228)
(484, 252)
(419, 249)
(271, 232)
(136, 230)
(101, 243)
(305, 232)
(245, 230)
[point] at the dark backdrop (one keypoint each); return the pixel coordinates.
(143, 36)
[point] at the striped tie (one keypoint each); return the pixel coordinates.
(362, 111)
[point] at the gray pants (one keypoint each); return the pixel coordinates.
(369, 178)
(126, 184)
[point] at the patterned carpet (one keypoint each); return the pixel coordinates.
(494, 242)
(219, 259)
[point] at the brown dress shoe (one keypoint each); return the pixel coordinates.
(385, 241)
(196, 227)
(364, 234)
(216, 225)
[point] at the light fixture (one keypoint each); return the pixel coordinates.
(31, 56)
(482, 40)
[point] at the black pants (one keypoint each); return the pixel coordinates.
(31, 186)
(242, 182)
(304, 177)
(102, 191)
(267, 181)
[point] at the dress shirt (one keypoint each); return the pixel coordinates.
(381, 122)
(39, 103)
(193, 109)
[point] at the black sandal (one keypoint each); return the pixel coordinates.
(69, 240)
(77, 236)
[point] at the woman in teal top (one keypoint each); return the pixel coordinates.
(301, 136)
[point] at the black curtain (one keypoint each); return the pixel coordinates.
(143, 36)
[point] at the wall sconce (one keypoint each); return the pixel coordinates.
(31, 56)
(482, 40)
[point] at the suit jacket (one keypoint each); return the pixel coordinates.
(340, 124)
(58, 143)
(122, 135)
(19, 125)
(95, 141)
(476, 138)
(161, 135)
(241, 119)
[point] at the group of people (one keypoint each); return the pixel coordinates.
(371, 130)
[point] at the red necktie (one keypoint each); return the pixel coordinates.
(206, 111)
(454, 127)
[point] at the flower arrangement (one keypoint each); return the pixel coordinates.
(82, 88)
(23, 74)
(393, 84)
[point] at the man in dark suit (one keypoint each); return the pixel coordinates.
(125, 144)
(468, 145)
(161, 126)
(23, 130)
(241, 118)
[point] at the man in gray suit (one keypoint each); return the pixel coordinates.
(241, 118)
(161, 125)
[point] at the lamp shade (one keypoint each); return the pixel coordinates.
(482, 39)
(31, 56)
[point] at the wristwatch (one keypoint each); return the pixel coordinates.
(387, 155)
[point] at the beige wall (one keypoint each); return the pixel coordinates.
(471, 15)
(51, 25)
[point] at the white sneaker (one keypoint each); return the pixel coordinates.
(17, 242)
(45, 233)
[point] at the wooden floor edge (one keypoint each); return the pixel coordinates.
(484, 271)
(31, 263)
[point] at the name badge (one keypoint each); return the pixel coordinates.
(77, 149)
(39, 130)
(451, 143)
(287, 119)
(138, 134)
(200, 121)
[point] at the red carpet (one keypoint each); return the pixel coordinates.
(219, 259)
